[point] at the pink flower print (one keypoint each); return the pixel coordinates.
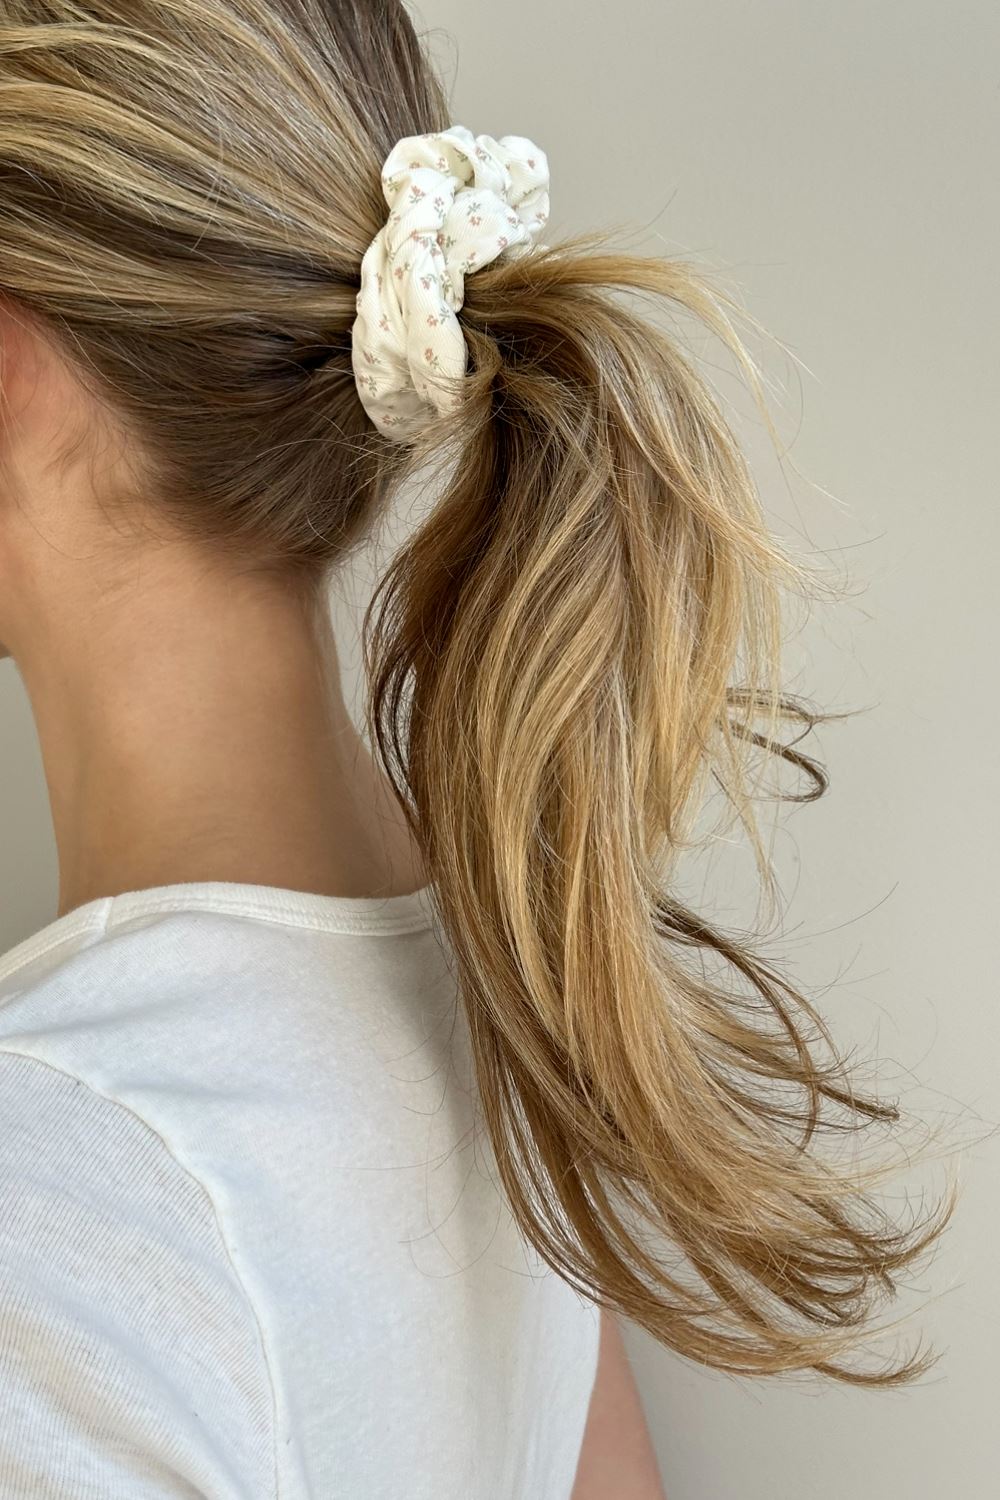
(431, 359)
(383, 323)
(481, 154)
(432, 321)
(428, 281)
(531, 161)
(439, 203)
(398, 273)
(512, 220)
(502, 242)
(442, 164)
(416, 193)
(475, 219)
(378, 278)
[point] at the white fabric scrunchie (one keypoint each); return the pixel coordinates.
(456, 202)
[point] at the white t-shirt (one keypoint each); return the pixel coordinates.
(252, 1240)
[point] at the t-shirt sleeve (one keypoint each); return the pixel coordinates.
(131, 1362)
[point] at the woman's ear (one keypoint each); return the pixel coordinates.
(46, 468)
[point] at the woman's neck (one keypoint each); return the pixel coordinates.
(192, 728)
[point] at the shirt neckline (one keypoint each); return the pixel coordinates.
(353, 915)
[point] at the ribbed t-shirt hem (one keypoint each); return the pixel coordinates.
(358, 916)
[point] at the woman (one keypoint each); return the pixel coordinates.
(350, 1096)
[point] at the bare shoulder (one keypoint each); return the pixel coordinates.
(617, 1461)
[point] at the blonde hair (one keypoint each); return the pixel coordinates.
(187, 188)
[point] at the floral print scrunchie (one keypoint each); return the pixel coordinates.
(456, 202)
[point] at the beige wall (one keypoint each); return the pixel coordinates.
(839, 162)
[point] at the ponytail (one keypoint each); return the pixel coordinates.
(551, 657)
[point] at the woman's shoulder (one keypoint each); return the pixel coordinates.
(130, 1357)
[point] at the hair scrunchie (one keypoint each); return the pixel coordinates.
(456, 202)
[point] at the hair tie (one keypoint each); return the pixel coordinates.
(456, 202)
